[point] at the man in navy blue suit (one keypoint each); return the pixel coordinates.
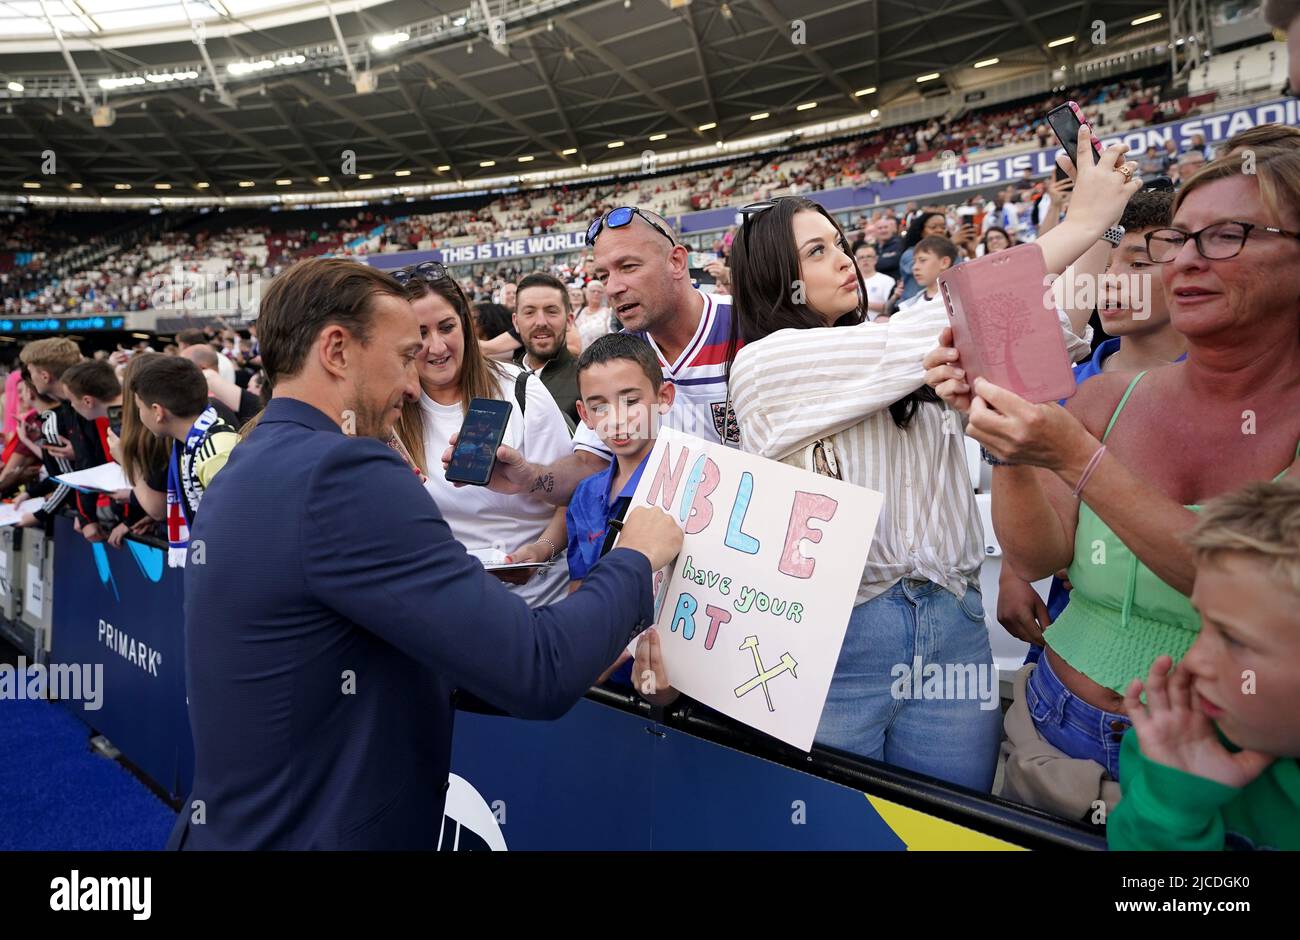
(329, 614)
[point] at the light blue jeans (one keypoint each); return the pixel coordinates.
(915, 685)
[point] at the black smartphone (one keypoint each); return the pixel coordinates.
(1065, 122)
(115, 419)
(480, 435)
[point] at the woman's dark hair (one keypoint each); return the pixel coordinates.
(984, 242)
(765, 265)
(916, 231)
(493, 319)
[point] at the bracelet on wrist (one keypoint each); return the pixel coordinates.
(991, 460)
(1088, 471)
(554, 550)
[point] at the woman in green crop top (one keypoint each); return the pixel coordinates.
(1169, 439)
(1120, 610)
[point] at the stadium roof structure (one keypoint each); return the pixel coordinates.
(212, 98)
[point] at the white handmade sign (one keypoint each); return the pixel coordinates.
(753, 612)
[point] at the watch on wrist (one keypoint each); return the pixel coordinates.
(1113, 234)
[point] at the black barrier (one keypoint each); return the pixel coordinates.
(144, 712)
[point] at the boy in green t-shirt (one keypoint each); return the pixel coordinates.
(1211, 759)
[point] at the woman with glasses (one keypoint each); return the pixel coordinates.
(1109, 485)
(818, 388)
(453, 371)
(995, 239)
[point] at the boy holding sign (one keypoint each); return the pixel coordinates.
(621, 394)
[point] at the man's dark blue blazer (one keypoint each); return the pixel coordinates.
(329, 616)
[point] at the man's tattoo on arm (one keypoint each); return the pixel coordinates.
(545, 483)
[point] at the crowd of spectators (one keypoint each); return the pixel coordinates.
(41, 271)
(592, 357)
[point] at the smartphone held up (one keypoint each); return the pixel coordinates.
(480, 435)
(1065, 122)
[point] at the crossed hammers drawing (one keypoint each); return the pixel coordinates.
(764, 676)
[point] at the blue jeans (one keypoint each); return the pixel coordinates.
(1070, 724)
(881, 706)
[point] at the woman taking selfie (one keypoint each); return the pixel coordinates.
(816, 386)
(453, 372)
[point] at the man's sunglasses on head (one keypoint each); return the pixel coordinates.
(619, 218)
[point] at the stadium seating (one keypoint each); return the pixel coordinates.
(64, 268)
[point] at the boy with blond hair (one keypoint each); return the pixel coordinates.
(1211, 759)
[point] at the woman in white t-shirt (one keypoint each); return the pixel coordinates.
(452, 372)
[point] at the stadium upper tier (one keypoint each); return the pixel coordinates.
(76, 262)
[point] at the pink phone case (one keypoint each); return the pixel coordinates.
(1002, 326)
(1078, 113)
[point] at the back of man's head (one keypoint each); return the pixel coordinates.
(55, 355)
(174, 382)
(186, 338)
(205, 357)
(95, 378)
(310, 296)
